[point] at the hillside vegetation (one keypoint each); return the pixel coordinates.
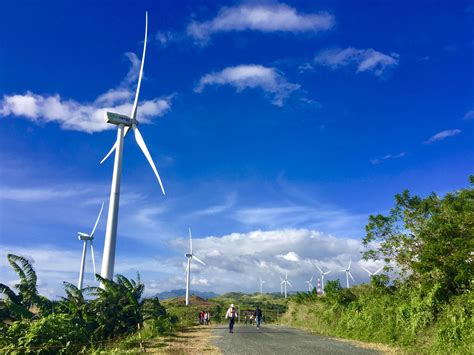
(429, 308)
(272, 306)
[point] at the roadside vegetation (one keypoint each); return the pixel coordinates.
(85, 320)
(429, 308)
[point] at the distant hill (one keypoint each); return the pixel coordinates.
(182, 292)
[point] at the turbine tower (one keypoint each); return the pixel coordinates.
(348, 273)
(85, 237)
(124, 124)
(310, 285)
(323, 273)
(261, 285)
(370, 272)
(285, 282)
(190, 257)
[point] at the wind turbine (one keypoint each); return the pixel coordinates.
(323, 273)
(285, 282)
(190, 257)
(370, 272)
(261, 285)
(348, 273)
(310, 285)
(124, 124)
(85, 237)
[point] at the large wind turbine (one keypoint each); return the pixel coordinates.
(190, 257)
(370, 272)
(285, 282)
(323, 273)
(261, 285)
(310, 285)
(348, 273)
(124, 124)
(85, 237)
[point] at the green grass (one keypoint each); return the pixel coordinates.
(408, 319)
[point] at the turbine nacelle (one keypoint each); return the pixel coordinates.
(188, 255)
(84, 236)
(119, 119)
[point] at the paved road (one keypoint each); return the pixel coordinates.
(279, 340)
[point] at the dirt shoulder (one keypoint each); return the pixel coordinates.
(190, 340)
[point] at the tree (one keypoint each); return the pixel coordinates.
(430, 239)
(20, 305)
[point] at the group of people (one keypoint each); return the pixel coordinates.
(232, 315)
(204, 318)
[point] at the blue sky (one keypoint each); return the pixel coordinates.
(277, 128)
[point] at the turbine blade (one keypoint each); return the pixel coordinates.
(370, 273)
(186, 268)
(199, 260)
(350, 262)
(127, 129)
(93, 259)
(142, 145)
(311, 279)
(327, 272)
(135, 102)
(97, 221)
(190, 242)
(375, 273)
(289, 283)
(321, 271)
(350, 275)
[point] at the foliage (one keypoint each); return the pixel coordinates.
(429, 239)
(430, 308)
(31, 323)
(19, 306)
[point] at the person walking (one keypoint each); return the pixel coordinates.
(258, 316)
(231, 315)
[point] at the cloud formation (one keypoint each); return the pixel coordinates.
(388, 156)
(469, 115)
(443, 135)
(86, 117)
(251, 76)
(368, 60)
(261, 17)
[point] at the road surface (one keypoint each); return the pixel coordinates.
(247, 339)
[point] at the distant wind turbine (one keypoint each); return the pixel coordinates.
(190, 257)
(310, 285)
(261, 285)
(85, 237)
(124, 124)
(285, 282)
(348, 273)
(370, 272)
(323, 273)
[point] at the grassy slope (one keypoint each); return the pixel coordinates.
(411, 323)
(272, 306)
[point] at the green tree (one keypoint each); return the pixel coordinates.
(431, 240)
(21, 305)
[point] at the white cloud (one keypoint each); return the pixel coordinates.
(364, 59)
(443, 135)
(290, 256)
(85, 117)
(35, 194)
(320, 217)
(261, 17)
(469, 115)
(251, 76)
(388, 156)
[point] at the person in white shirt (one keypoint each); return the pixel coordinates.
(231, 315)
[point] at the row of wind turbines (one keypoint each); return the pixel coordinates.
(124, 124)
(284, 282)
